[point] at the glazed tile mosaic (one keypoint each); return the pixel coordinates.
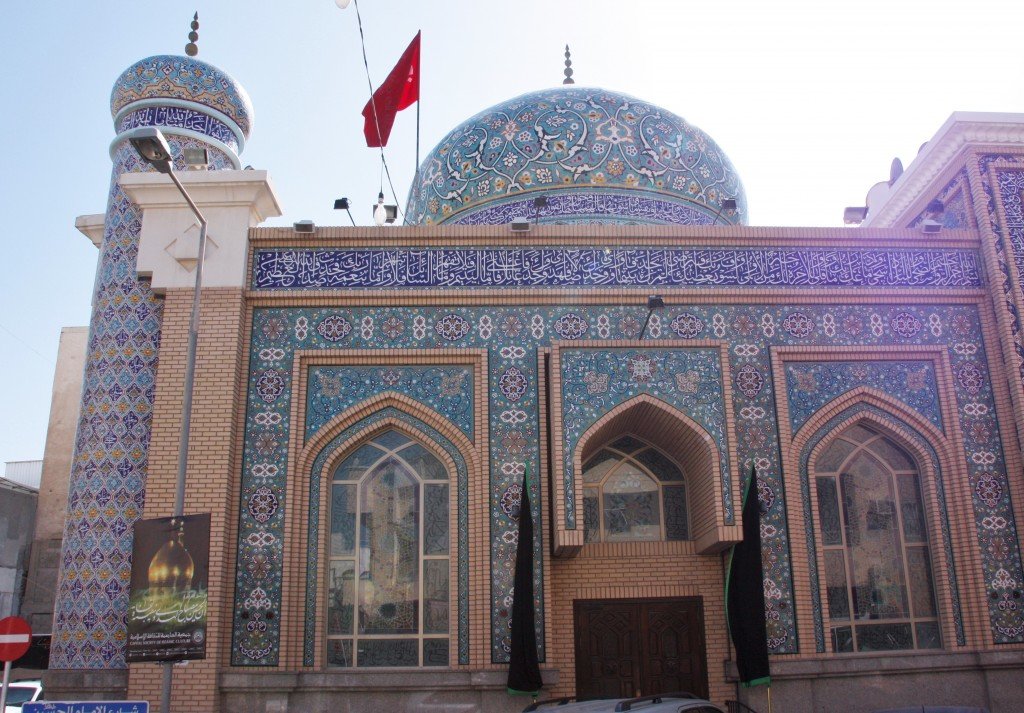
(512, 336)
(580, 140)
(956, 212)
(810, 385)
(589, 208)
(446, 390)
(162, 79)
(108, 477)
(333, 268)
(181, 118)
(1010, 297)
(596, 380)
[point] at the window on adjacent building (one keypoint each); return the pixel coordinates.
(632, 491)
(878, 571)
(389, 554)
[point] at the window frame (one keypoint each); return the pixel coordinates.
(631, 458)
(387, 453)
(894, 475)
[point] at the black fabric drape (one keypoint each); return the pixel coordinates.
(744, 594)
(524, 669)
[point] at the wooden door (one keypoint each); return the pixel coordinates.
(639, 647)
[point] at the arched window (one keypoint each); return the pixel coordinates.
(632, 491)
(872, 521)
(389, 548)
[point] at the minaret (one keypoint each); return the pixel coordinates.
(195, 105)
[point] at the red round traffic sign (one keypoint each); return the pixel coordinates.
(15, 638)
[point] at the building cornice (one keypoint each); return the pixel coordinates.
(962, 129)
(91, 226)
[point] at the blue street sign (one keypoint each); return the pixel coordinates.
(86, 707)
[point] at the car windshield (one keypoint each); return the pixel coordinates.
(16, 695)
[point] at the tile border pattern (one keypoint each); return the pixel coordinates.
(591, 268)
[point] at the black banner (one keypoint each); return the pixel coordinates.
(524, 669)
(744, 594)
(170, 570)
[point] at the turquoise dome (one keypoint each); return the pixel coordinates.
(155, 80)
(597, 156)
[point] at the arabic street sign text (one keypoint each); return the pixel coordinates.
(86, 707)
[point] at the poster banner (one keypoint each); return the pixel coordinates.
(170, 570)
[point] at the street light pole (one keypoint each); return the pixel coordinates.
(190, 360)
(153, 147)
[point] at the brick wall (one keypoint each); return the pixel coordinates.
(211, 475)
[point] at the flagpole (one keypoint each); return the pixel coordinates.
(416, 168)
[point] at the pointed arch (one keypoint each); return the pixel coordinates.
(307, 518)
(881, 401)
(688, 443)
(934, 453)
(384, 400)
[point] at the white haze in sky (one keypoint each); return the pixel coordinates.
(811, 100)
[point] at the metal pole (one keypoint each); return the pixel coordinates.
(3, 689)
(165, 689)
(646, 322)
(186, 403)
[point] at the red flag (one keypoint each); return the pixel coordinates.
(399, 91)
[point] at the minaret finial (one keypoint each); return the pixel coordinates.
(192, 49)
(568, 67)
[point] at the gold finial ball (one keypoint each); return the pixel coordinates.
(192, 49)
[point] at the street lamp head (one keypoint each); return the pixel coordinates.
(152, 147)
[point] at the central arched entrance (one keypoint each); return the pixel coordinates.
(643, 592)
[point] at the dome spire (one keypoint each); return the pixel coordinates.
(568, 67)
(192, 49)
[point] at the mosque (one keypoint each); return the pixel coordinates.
(578, 305)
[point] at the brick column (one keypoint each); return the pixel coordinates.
(213, 462)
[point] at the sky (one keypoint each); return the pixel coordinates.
(810, 99)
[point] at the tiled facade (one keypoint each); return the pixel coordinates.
(513, 354)
(107, 491)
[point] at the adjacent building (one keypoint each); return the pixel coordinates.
(19, 492)
(66, 397)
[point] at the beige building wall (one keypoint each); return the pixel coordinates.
(65, 402)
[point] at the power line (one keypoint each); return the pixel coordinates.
(23, 342)
(373, 105)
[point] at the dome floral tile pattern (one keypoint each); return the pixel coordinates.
(599, 157)
(164, 77)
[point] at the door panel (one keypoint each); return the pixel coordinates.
(634, 647)
(607, 654)
(674, 652)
